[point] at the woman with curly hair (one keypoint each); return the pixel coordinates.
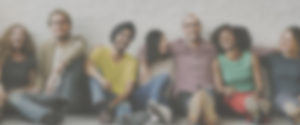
(237, 73)
(18, 69)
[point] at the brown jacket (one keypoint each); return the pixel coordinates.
(75, 47)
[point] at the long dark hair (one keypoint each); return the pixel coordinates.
(295, 30)
(153, 40)
(241, 35)
(243, 38)
(6, 47)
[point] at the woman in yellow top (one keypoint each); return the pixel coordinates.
(113, 74)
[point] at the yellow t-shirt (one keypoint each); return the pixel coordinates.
(118, 74)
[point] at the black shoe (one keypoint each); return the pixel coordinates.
(52, 119)
(59, 104)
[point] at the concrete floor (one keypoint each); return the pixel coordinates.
(88, 120)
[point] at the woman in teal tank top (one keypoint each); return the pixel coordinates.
(237, 73)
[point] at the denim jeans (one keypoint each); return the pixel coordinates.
(73, 86)
(101, 96)
(150, 91)
(281, 99)
(36, 107)
(29, 107)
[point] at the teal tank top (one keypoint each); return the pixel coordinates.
(238, 73)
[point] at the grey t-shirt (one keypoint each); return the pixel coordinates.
(284, 73)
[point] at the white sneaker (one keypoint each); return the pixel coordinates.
(163, 112)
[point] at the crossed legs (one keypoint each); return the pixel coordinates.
(202, 106)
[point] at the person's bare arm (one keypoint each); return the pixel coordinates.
(217, 76)
(128, 87)
(257, 75)
(77, 48)
(122, 97)
(144, 71)
(31, 87)
(218, 80)
(93, 72)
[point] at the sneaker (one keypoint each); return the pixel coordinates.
(162, 111)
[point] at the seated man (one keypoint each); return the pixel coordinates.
(193, 78)
(61, 61)
(113, 74)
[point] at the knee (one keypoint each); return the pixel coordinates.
(251, 104)
(290, 109)
(204, 95)
(124, 106)
(93, 81)
(211, 120)
(197, 99)
(200, 94)
(164, 77)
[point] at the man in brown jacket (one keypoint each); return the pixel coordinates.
(61, 61)
(60, 51)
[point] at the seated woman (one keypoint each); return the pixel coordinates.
(284, 73)
(155, 71)
(237, 74)
(18, 68)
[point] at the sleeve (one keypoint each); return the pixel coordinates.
(142, 54)
(95, 56)
(77, 48)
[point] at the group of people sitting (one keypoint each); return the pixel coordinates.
(187, 78)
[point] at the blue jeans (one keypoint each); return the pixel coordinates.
(150, 91)
(281, 99)
(37, 106)
(27, 107)
(100, 96)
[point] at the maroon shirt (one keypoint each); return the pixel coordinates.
(193, 68)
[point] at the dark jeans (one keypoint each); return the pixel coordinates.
(74, 88)
(153, 90)
(100, 98)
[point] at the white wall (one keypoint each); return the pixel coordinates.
(94, 19)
